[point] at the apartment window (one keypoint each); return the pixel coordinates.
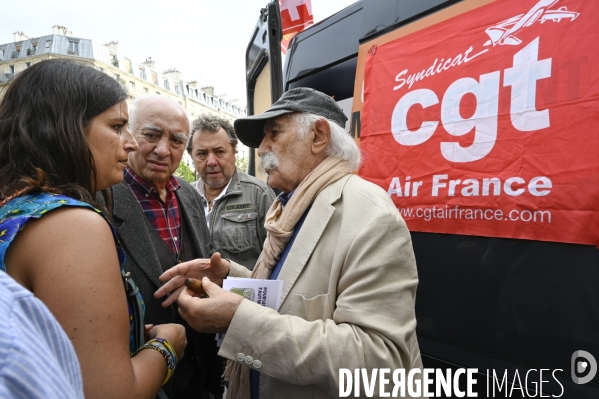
(177, 88)
(11, 70)
(132, 85)
(48, 45)
(154, 78)
(145, 90)
(166, 84)
(142, 72)
(73, 48)
(128, 66)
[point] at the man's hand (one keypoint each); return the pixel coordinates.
(212, 314)
(215, 268)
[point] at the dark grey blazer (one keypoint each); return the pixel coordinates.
(142, 261)
(143, 264)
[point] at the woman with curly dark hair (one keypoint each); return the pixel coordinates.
(63, 138)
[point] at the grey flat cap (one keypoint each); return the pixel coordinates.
(250, 130)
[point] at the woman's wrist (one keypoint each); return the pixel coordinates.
(166, 350)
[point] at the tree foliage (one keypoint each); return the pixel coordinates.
(185, 172)
(242, 164)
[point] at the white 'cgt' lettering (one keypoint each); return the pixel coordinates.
(522, 77)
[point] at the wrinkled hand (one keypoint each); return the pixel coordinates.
(174, 334)
(215, 268)
(212, 314)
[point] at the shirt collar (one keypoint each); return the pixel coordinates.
(284, 198)
(202, 189)
(133, 179)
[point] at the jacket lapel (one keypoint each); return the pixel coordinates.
(132, 231)
(317, 220)
(194, 220)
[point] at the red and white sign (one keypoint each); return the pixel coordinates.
(296, 15)
(488, 123)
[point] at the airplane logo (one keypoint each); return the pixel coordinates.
(504, 33)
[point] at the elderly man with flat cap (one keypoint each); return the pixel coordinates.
(340, 247)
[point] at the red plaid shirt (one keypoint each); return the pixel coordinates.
(163, 216)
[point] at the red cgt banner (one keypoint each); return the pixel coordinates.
(296, 15)
(488, 123)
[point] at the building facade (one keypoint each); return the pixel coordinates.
(140, 78)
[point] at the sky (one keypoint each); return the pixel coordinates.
(205, 40)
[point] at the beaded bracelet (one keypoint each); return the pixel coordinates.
(167, 345)
(166, 349)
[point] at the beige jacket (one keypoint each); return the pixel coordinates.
(348, 298)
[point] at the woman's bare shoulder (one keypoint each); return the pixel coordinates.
(69, 237)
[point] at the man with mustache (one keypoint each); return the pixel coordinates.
(235, 203)
(340, 247)
(160, 222)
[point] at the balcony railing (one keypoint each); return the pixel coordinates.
(14, 54)
(72, 52)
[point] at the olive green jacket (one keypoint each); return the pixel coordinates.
(237, 219)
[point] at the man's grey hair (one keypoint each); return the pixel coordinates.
(212, 123)
(341, 144)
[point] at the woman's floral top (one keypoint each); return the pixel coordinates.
(17, 212)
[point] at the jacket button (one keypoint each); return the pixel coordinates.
(240, 357)
(249, 360)
(257, 364)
